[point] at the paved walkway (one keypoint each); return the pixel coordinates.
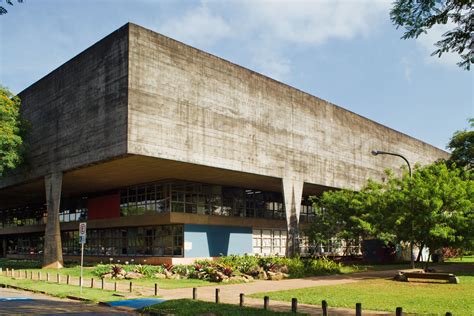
(229, 293)
(15, 302)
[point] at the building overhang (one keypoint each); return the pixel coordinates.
(134, 169)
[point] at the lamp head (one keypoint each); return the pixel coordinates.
(375, 152)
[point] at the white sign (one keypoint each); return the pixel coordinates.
(82, 233)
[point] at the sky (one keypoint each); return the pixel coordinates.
(344, 51)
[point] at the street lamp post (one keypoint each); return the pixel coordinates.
(380, 152)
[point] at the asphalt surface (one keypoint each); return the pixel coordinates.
(15, 302)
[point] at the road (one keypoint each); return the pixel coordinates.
(15, 302)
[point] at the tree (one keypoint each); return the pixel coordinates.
(442, 200)
(434, 208)
(12, 130)
(418, 16)
(338, 214)
(2, 8)
(462, 146)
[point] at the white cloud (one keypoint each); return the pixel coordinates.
(426, 43)
(314, 22)
(271, 63)
(197, 27)
(407, 69)
(265, 29)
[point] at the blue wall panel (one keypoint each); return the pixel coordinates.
(212, 241)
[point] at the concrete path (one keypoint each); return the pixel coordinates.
(230, 293)
(15, 302)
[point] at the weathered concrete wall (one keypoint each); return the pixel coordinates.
(187, 105)
(78, 112)
(138, 92)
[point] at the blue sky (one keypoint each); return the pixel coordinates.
(346, 52)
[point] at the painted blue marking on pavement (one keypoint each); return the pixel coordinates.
(137, 303)
(9, 299)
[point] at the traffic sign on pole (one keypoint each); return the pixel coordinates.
(82, 241)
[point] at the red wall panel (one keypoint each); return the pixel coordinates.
(107, 206)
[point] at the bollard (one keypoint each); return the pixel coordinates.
(67, 279)
(26, 274)
(324, 306)
(102, 283)
(130, 286)
(358, 309)
(195, 295)
(115, 286)
(294, 305)
(398, 311)
(92, 283)
(31, 275)
(58, 278)
(6, 271)
(39, 276)
(80, 281)
(156, 289)
(266, 301)
(13, 273)
(241, 303)
(47, 276)
(217, 296)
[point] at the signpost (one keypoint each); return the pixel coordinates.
(82, 241)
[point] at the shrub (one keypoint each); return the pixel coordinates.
(148, 270)
(102, 269)
(244, 264)
(323, 266)
(183, 269)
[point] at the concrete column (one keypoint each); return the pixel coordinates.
(53, 252)
(292, 195)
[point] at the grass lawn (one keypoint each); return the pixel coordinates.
(189, 307)
(63, 290)
(147, 282)
(376, 267)
(380, 294)
(465, 259)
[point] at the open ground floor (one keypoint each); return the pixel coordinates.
(168, 221)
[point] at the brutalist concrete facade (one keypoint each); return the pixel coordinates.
(138, 107)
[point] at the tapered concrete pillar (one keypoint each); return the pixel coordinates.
(52, 252)
(292, 195)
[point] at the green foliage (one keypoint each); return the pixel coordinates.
(244, 264)
(418, 16)
(12, 131)
(183, 269)
(101, 269)
(434, 208)
(10, 2)
(147, 270)
(340, 214)
(462, 147)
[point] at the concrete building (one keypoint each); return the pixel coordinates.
(170, 153)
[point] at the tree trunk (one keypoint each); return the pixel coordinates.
(420, 253)
(427, 261)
